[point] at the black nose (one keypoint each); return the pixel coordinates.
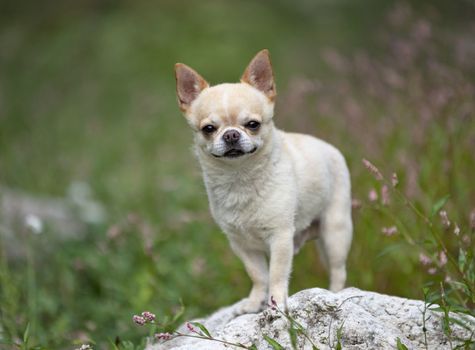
(231, 136)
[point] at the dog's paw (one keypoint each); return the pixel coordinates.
(248, 306)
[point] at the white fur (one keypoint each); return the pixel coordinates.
(265, 200)
(263, 203)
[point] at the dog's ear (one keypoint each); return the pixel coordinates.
(189, 84)
(259, 74)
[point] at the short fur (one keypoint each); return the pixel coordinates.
(268, 190)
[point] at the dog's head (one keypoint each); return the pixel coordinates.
(230, 120)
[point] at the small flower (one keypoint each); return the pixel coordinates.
(355, 203)
(163, 336)
(85, 347)
(190, 327)
(114, 231)
(334, 59)
(432, 271)
(389, 231)
(385, 195)
(139, 320)
(421, 30)
(472, 219)
(133, 218)
(394, 180)
(447, 279)
(457, 230)
(442, 258)
(372, 168)
(444, 218)
(272, 303)
(148, 316)
(373, 195)
(424, 259)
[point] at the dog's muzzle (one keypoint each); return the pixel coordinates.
(234, 145)
(234, 153)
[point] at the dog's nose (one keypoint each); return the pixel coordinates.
(231, 136)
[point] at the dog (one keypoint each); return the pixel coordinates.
(269, 190)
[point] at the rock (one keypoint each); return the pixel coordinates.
(367, 320)
(22, 213)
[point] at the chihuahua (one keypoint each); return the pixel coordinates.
(268, 190)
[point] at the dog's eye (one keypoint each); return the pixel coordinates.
(253, 125)
(208, 129)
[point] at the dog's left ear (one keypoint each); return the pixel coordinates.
(259, 74)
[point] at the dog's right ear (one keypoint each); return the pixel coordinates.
(189, 84)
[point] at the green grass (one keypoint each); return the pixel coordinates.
(87, 93)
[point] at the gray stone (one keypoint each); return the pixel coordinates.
(22, 213)
(367, 320)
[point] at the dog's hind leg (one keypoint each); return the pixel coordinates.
(334, 241)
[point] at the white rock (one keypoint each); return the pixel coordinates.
(368, 321)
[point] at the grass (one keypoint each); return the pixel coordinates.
(87, 94)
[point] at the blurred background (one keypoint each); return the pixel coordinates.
(103, 213)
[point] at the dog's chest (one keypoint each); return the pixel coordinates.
(240, 208)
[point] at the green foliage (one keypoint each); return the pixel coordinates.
(339, 334)
(26, 337)
(293, 337)
(275, 345)
(439, 205)
(400, 345)
(202, 328)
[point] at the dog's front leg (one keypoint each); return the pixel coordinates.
(281, 255)
(255, 264)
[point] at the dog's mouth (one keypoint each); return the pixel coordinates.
(235, 153)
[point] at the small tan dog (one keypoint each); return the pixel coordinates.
(268, 190)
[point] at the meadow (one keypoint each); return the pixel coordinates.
(87, 102)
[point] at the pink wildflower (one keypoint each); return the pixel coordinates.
(139, 320)
(85, 347)
(444, 218)
(163, 336)
(190, 327)
(457, 230)
(355, 203)
(421, 30)
(424, 259)
(334, 59)
(372, 168)
(442, 258)
(373, 195)
(394, 180)
(389, 231)
(432, 271)
(272, 303)
(133, 218)
(472, 219)
(148, 316)
(113, 232)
